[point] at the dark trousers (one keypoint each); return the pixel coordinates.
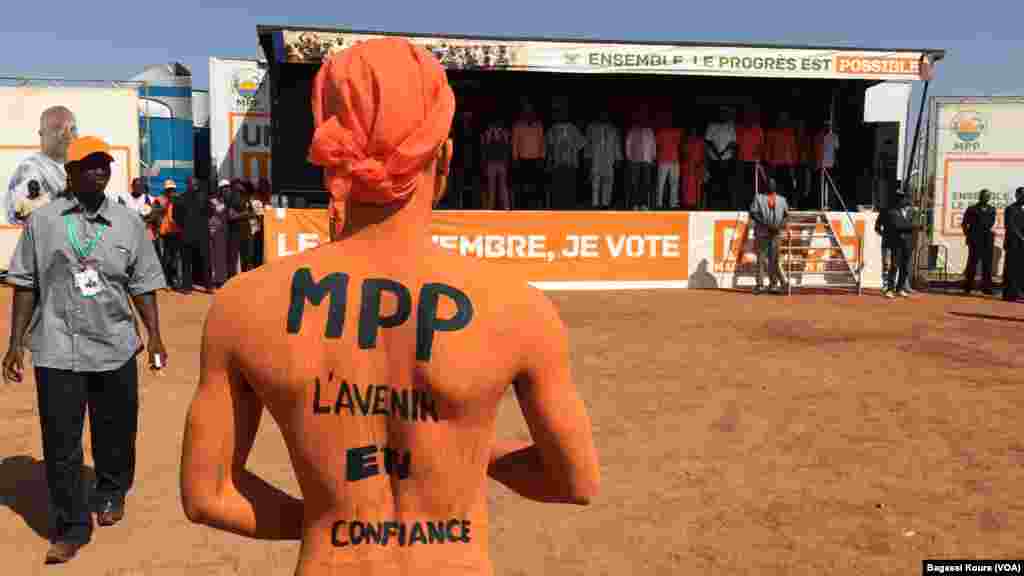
(979, 249)
(245, 252)
(530, 184)
(112, 400)
(173, 246)
(751, 182)
(563, 187)
(1013, 273)
(641, 184)
(234, 249)
(179, 262)
(257, 249)
(768, 260)
(186, 258)
(726, 189)
(785, 180)
(886, 264)
(902, 255)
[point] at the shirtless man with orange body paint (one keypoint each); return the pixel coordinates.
(382, 357)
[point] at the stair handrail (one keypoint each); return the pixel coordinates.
(853, 226)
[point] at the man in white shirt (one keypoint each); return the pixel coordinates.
(604, 148)
(720, 146)
(138, 201)
(641, 150)
(57, 127)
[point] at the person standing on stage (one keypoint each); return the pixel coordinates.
(81, 265)
(782, 153)
(528, 155)
(720, 144)
(750, 148)
(978, 222)
(604, 148)
(564, 142)
(496, 146)
(641, 152)
(1013, 269)
(668, 143)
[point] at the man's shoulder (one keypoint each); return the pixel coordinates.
(123, 213)
(504, 295)
(51, 210)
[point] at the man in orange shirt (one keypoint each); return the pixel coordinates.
(669, 141)
(390, 356)
(528, 154)
(750, 141)
(171, 235)
(783, 154)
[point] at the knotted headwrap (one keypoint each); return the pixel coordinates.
(382, 109)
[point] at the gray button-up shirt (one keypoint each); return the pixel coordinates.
(68, 330)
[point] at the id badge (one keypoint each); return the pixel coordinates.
(87, 281)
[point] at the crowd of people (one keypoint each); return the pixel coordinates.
(207, 235)
(978, 223)
(204, 236)
(645, 160)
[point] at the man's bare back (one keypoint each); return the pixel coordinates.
(384, 377)
(383, 359)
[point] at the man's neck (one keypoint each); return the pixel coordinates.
(57, 157)
(404, 223)
(91, 203)
(386, 226)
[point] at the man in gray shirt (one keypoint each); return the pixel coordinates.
(769, 212)
(77, 263)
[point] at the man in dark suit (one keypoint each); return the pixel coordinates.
(1013, 270)
(197, 233)
(979, 219)
(897, 227)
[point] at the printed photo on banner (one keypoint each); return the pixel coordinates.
(308, 46)
(735, 251)
(40, 122)
(460, 53)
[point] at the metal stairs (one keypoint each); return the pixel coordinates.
(812, 255)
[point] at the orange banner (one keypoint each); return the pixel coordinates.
(546, 246)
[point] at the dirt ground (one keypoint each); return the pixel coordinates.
(738, 434)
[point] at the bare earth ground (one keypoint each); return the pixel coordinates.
(738, 435)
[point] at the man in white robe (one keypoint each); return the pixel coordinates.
(57, 127)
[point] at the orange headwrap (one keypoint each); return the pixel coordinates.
(382, 109)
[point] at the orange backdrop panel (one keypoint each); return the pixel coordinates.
(545, 246)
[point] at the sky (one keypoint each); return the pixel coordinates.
(116, 39)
